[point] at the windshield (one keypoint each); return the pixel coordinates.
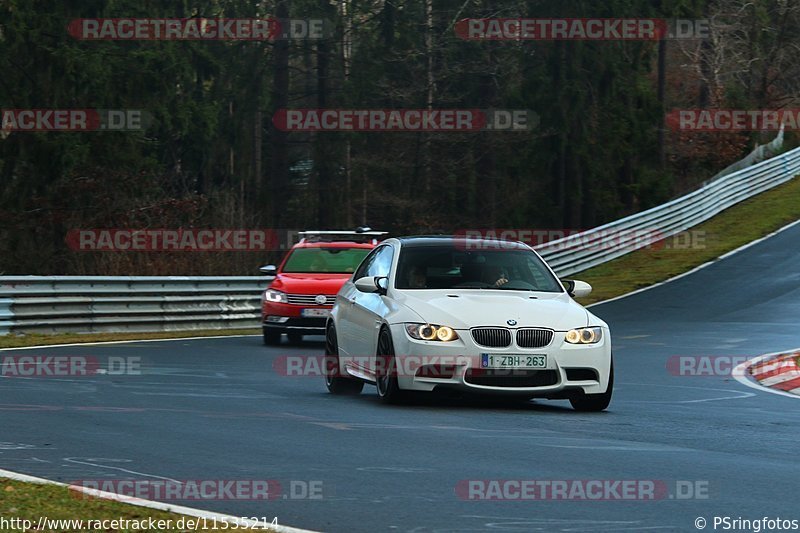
(325, 260)
(434, 267)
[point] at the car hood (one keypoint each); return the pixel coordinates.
(308, 283)
(467, 309)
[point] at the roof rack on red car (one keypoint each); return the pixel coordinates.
(361, 234)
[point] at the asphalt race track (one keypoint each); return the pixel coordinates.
(216, 409)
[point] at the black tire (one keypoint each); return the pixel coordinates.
(386, 372)
(333, 380)
(592, 403)
(295, 338)
(271, 338)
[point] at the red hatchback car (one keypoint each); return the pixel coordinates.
(298, 301)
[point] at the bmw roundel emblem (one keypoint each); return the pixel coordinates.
(320, 299)
(511, 322)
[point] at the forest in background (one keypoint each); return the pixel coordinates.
(212, 157)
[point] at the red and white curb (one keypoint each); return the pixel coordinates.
(778, 373)
(158, 506)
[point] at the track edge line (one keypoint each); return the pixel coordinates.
(157, 506)
(724, 256)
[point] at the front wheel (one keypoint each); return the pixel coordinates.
(333, 380)
(386, 372)
(271, 338)
(595, 402)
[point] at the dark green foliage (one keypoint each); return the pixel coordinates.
(212, 158)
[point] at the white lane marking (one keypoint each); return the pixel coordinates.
(395, 469)
(24, 460)
(232, 395)
(590, 443)
(567, 524)
(89, 461)
(741, 374)
(599, 527)
(98, 343)
(704, 265)
(157, 372)
(341, 426)
(144, 384)
(17, 446)
(740, 394)
(158, 506)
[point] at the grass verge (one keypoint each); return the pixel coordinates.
(31, 501)
(731, 229)
(19, 341)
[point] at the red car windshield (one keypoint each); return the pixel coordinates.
(324, 260)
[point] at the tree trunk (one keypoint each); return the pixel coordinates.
(662, 77)
(279, 157)
(322, 155)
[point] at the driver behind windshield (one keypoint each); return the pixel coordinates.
(492, 275)
(443, 267)
(417, 278)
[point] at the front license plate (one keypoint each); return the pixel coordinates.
(315, 313)
(505, 360)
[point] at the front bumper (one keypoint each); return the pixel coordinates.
(301, 326)
(287, 318)
(570, 368)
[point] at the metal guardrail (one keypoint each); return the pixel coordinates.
(94, 304)
(37, 304)
(759, 153)
(610, 241)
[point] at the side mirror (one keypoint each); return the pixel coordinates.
(577, 288)
(269, 270)
(372, 284)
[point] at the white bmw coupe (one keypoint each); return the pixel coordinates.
(485, 316)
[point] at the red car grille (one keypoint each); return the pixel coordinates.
(310, 299)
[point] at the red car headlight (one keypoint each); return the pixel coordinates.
(273, 296)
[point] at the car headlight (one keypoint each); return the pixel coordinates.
(584, 336)
(431, 332)
(271, 295)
